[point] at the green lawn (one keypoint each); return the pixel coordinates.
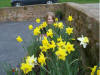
(6, 3)
(80, 1)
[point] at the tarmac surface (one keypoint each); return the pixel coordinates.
(11, 52)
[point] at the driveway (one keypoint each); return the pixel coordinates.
(11, 52)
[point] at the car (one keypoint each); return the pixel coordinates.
(18, 3)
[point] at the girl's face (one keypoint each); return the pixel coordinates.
(50, 19)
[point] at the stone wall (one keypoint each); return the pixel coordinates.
(27, 13)
(83, 24)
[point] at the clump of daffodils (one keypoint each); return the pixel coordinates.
(53, 43)
(46, 45)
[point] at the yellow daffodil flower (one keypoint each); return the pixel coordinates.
(38, 20)
(61, 44)
(70, 18)
(45, 41)
(36, 31)
(49, 33)
(93, 70)
(69, 47)
(42, 59)
(44, 24)
(30, 27)
(41, 26)
(19, 39)
(46, 45)
(98, 72)
(60, 25)
(44, 48)
(55, 24)
(26, 68)
(69, 30)
(31, 60)
(56, 19)
(61, 53)
(59, 39)
(52, 45)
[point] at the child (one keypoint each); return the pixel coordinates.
(50, 19)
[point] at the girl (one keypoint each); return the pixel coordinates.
(50, 19)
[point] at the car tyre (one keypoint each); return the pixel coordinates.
(49, 2)
(17, 4)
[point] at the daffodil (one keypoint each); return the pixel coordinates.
(69, 30)
(98, 72)
(83, 41)
(26, 67)
(70, 18)
(61, 53)
(56, 19)
(93, 70)
(69, 47)
(44, 48)
(61, 44)
(36, 31)
(59, 39)
(30, 27)
(41, 26)
(50, 33)
(42, 59)
(60, 25)
(45, 41)
(31, 60)
(52, 45)
(38, 20)
(19, 39)
(46, 45)
(44, 24)
(55, 24)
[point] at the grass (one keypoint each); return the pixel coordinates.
(7, 3)
(80, 1)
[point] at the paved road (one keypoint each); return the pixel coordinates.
(11, 51)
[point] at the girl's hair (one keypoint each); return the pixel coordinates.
(50, 14)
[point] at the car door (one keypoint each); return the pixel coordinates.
(41, 1)
(28, 2)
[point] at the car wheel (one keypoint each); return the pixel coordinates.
(17, 4)
(49, 2)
